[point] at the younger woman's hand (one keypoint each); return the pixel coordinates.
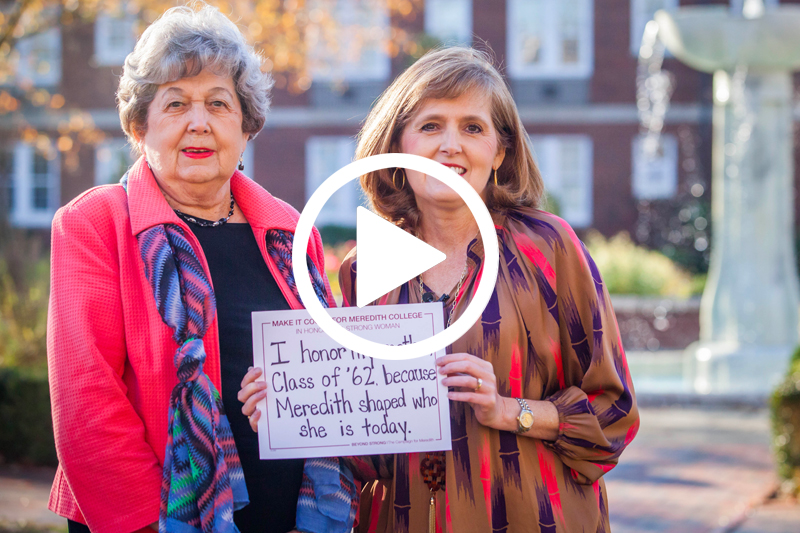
(251, 393)
(478, 386)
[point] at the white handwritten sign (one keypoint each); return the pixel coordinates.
(325, 400)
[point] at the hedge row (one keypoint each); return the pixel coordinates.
(27, 427)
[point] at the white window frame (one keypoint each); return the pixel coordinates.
(24, 213)
(106, 159)
(663, 166)
(333, 65)
(339, 209)
(450, 21)
(640, 17)
(551, 65)
(106, 27)
(575, 203)
(49, 40)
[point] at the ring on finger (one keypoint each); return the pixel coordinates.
(480, 384)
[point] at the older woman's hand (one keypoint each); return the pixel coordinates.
(250, 394)
(478, 382)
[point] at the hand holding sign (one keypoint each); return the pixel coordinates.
(251, 393)
(478, 383)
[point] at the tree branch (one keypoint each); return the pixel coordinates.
(13, 20)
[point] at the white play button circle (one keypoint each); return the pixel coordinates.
(377, 287)
(388, 257)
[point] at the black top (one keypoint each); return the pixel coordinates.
(243, 284)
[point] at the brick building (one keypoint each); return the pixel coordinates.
(571, 65)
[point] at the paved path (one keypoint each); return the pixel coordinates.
(777, 517)
(23, 499)
(690, 470)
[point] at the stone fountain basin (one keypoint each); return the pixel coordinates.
(710, 38)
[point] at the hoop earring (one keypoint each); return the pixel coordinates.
(241, 162)
(495, 177)
(404, 178)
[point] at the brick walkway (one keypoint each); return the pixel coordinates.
(690, 470)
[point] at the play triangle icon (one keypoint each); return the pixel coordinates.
(387, 257)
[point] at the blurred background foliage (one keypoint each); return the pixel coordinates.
(785, 411)
(27, 435)
(24, 292)
(628, 268)
(287, 33)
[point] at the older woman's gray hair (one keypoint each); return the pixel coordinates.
(180, 44)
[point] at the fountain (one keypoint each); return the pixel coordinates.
(749, 310)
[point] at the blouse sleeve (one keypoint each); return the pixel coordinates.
(597, 411)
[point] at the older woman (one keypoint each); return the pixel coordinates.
(153, 284)
(542, 404)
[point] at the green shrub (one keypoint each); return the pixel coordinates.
(335, 235)
(785, 414)
(27, 435)
(630, 269)
(24, 293)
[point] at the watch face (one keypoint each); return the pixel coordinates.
(526, 420)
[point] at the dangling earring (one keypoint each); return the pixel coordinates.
(404, 178)
(241, 162)
(495, 177)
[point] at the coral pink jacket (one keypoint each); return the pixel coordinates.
(110, 354)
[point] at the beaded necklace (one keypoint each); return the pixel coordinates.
(206, 223)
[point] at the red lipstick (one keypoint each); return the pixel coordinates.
(196, 152)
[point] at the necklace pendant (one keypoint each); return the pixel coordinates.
(428, 297)
(432, 515)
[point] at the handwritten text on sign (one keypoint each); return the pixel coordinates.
(326, 400)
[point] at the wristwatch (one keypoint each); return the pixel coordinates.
(525, 418)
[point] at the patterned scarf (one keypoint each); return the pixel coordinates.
(202, 483)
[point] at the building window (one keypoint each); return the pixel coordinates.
(655, 172)
(565, 162)
(450, 21)
(353, 47)
(114, 39)
(40, 59)
(550, 38)
(324, 156)
(112, 160)
(34, 186)
(642, 12)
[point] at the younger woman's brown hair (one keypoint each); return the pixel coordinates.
(447, 73)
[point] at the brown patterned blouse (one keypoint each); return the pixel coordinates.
(551, 334)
